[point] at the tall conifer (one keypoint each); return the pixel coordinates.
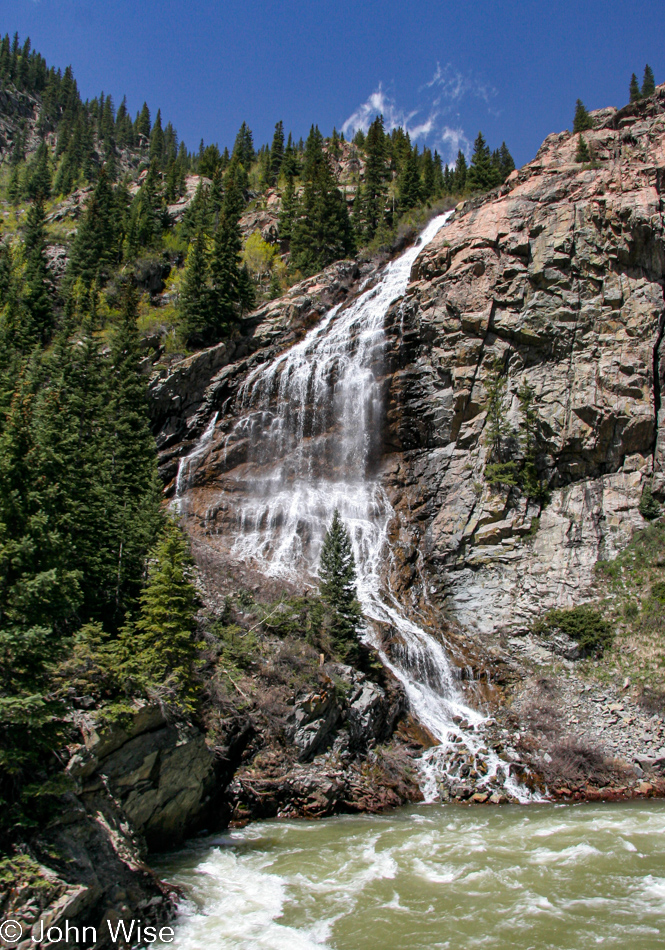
(337, 585)
(582, 120)
(648, 82)
(276, 152)
(161, 646)
(195, 297)
(37, 296)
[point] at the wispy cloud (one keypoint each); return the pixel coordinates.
(439, 98)
(451, 86)
(451, 141)
(378, 103)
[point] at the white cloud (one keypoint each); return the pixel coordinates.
(451, 86)
(451, 141)
(440, 96)
(378, 103)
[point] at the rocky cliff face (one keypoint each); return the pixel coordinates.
(137, 787)
(556, 277)
(559, 276)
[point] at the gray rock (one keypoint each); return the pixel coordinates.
(366, 715)
(163, 775)
(316, 718)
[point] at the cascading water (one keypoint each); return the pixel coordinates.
(311, 422)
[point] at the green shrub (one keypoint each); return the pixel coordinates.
(584, 624)
(245, 598)
(238, 648)
(648, 507)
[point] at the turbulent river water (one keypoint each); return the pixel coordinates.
(528, 877)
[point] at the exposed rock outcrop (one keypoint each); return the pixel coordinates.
(143, 786)
(559, 276)
(161, 774)
(366, 710)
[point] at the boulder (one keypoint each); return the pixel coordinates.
(316, 717)
(162, 775)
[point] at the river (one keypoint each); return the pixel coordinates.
(528, 877)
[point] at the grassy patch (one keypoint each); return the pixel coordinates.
(635, 587)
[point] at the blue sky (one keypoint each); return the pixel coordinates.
(512, 68)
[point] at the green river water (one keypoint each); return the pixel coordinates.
(534, 877)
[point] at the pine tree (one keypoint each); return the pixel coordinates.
(18, 335)
(506, 161)
(38, 596)
(198, 215)
(264, 167)
(38, 176)
(337, 585)
(142, 124)
(14, 185)
(216, 195)
(124, 129)
(136, 485)
(146, 214)
(460, 173)
(322, 232)
(288, 210)
(276, 152)
(72, 432)
(161, 646)
(634, 89)
(243, 148)
(648, 82)
(195, 297)
(314, 157)
(224, 300)
(498, 432)
(209, 161)
(374, 192)
(235, 184)
(290, 163)
(480, 176)
(649, 507)
(439, 184)
(157, 141)
(95, 249)
(275, 287)
(37, 296)
(582, 120)
(532, 485)
(582, 155)
(410, 193)
(246, 291)
(428, 183)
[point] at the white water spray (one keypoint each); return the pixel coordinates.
(313, 420)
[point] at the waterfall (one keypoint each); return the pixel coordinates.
(311, 424)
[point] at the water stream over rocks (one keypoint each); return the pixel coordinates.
(310, 424)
